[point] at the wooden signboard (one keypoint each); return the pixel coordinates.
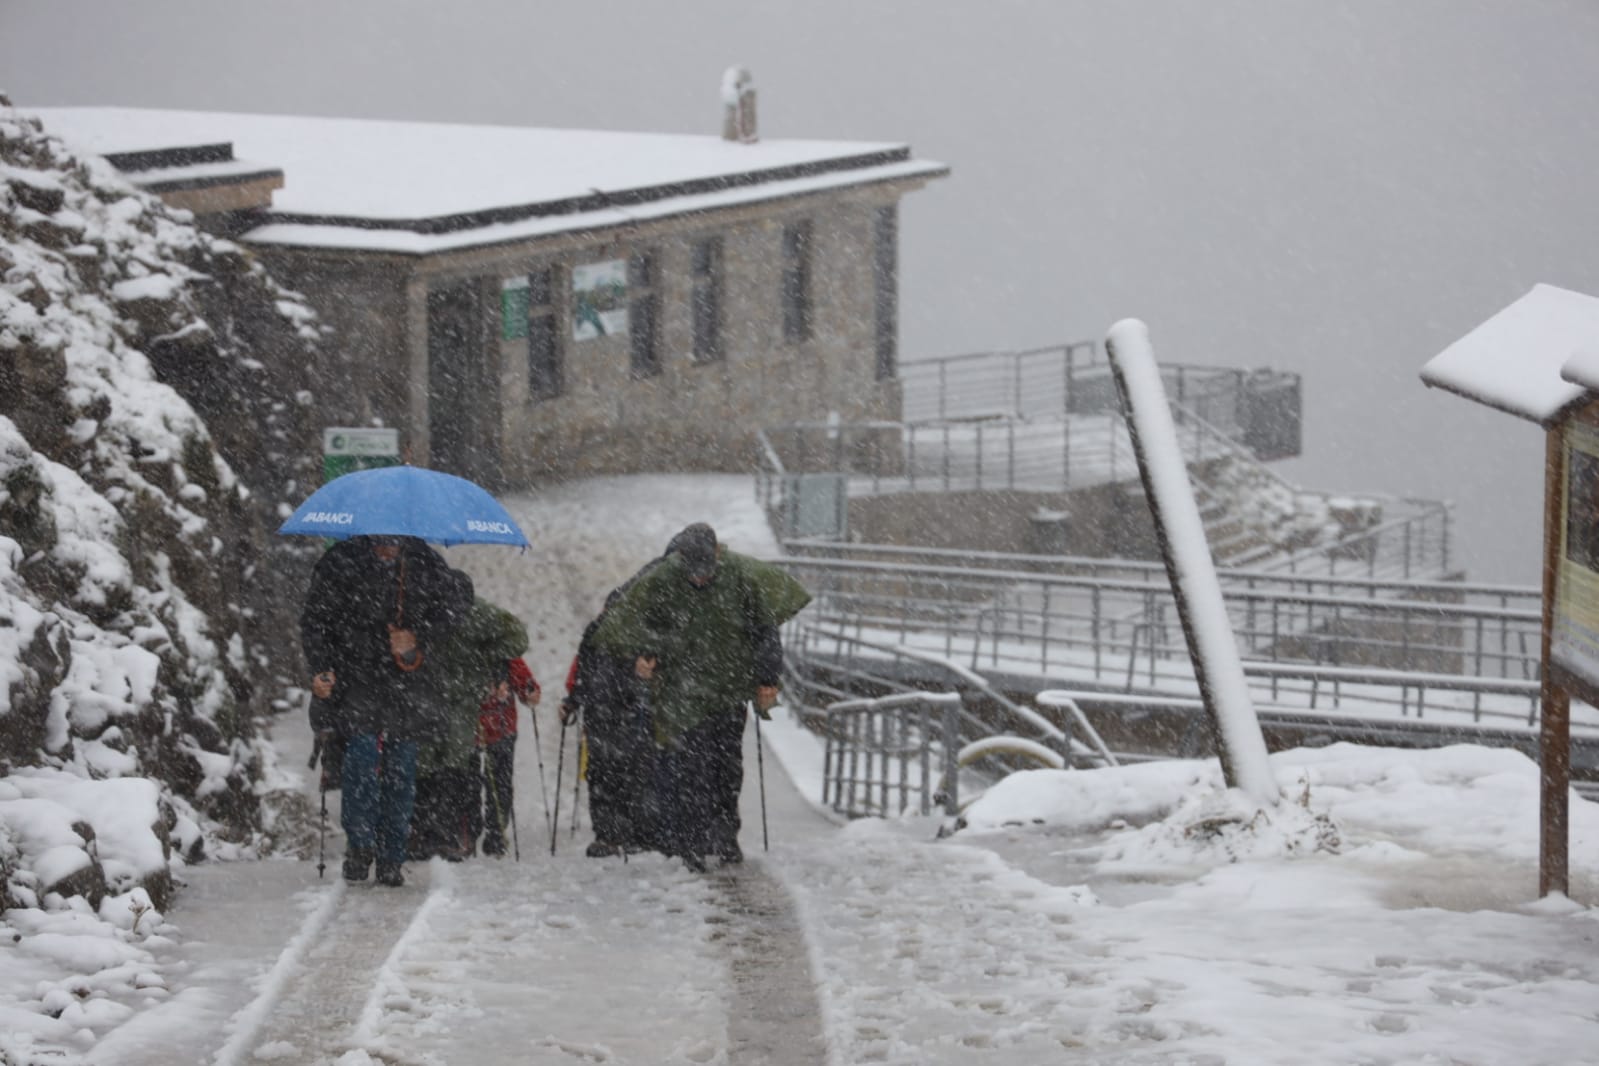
(1571, 622)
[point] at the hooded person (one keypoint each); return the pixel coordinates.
(614, 706)
(474, 662)
(703, 631)
(375, 613)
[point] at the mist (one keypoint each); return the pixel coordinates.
(1339, 190)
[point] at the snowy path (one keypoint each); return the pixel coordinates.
(875, 942)
(557, 959)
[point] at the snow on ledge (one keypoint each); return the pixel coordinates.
(1524, 359)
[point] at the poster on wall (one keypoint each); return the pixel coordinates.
(513, 308)
(599, 299)
(1575, 645)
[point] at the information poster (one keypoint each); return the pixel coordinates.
(599, 299)
(1575, 645)
(513, 308)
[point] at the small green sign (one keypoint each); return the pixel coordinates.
(347, 448)
(513, 313)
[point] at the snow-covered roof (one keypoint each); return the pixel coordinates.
(401, 186)
(1526, 360)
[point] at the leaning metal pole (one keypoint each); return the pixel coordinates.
(1192, 572)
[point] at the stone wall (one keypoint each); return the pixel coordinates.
(690, 416)
(1102, 521)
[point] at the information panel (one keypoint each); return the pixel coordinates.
(1575, 642)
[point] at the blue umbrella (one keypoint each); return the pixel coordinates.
(405, 501)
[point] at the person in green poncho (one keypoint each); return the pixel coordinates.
(702, 629)
(472, 663)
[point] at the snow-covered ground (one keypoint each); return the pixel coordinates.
(1381, 915)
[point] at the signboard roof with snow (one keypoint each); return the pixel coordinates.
(423, 187)
(1528, 359)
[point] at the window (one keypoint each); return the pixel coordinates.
(707, 300)
(885, 281)
(642, 315)
(797, 282)
(544, 369)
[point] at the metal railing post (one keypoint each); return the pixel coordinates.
(951, 730)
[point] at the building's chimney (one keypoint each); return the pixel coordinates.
(738, 106)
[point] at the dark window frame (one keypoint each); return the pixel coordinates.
(885, 285)
(644, 314)
(705, 267)
(798, 302)
(546, 352)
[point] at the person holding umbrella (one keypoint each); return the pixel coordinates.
(377, 610)
(380, 603)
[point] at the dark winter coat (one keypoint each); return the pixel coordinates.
(603, 688)
(354, 597)
(715, 644)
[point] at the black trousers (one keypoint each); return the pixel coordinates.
(725, 776)
(445, 820)
(697, 783)
(621, 754)
(499, 764)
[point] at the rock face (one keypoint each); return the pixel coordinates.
(155, 412)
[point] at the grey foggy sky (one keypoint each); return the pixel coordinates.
(1337, 189)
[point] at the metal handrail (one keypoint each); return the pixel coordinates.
(1155, 572)
(870, 729)
(976, 614)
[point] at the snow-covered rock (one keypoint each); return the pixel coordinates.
(154, 403)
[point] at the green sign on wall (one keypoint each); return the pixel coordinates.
(513, 309)
(347, 448)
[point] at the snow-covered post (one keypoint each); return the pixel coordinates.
(1194, 585)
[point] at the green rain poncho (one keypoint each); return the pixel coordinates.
(471, 659)
(703, 637)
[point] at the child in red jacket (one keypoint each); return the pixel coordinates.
(496, 737)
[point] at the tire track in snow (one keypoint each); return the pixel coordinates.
(317, 1001)
(774, 1016)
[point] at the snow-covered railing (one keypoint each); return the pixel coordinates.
(1121, 630)
(881, 750)
(1483, 594)
(865, 734)
(1060, 379)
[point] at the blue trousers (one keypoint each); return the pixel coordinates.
(379, 783)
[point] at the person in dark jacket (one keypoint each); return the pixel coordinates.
(602, 690)
(702, 630)
(614, 707)
(374, 616)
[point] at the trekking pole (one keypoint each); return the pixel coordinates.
(499, 814)
(760, 773)
(560, 758)
(538, 750)
(577, 778)
(317, 748)
(322, 833)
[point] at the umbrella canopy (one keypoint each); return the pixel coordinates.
(405, 501)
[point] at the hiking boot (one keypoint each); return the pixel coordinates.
(356, 863)
(390, 874)
(494, 849)
(730, 854)
(602, 849)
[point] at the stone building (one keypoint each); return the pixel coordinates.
(527, 303)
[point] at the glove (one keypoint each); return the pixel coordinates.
(765, 699)
(569, 711)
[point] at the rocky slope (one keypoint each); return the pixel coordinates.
(155, 403)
